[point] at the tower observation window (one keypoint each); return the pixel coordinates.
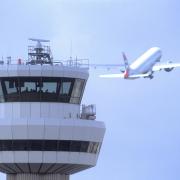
(50, 145)
(41, 89)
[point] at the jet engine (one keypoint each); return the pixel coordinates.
(168, 69)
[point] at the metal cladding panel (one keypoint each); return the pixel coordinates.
(68, 129)
(8, 156)
(21, 156)
(35, 70)
(12, 70)
(23, 70)
(49, 157)
(5, 132)
(37, 113)
(45, 70)
(25, 110)
(35, 132)
(53, 157)
(20, 131)
(58, 71)
(8, 113)
(51, 132)
(4, 70)
(45, 110)
(35, 157)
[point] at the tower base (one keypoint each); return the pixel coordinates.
(37, 177)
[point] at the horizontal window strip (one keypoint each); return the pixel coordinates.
(50, 145)
(41, 89)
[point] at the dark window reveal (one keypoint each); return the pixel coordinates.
(49, 145)
(41, 89)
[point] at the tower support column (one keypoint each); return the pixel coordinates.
(37, 177)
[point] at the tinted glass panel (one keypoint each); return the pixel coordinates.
(77, 91)
(20, 145)
(11, 89)
(41, 89)
(30, 89)
(64, 145)
(1, 95)
(84, 147)
(6, 145)
(75, 146)
(49, 91)
(49, 145)
(35, 145)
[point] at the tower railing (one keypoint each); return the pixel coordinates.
(76, 63)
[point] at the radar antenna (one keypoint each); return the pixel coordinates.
(39, 54)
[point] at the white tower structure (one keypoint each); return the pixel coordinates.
(44, 133)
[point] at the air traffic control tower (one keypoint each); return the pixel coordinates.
(45, 133)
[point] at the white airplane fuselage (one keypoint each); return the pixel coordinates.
(145, 66)
(144, 63)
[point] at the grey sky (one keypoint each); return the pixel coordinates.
(142, 117)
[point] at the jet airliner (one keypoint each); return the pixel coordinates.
(144, 66)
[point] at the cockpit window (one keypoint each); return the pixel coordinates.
(41, 89)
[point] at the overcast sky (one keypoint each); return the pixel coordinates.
(142, 117)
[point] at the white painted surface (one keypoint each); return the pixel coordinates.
(38, 70)
(37, 112)
(67, 130)
(48, 157)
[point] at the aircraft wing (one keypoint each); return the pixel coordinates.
(108, 66)
(139, 76)
(122, 76)
(159, 67)
(112, 76)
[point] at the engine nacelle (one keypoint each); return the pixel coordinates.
(168, 69)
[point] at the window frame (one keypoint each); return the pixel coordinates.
(58, 97)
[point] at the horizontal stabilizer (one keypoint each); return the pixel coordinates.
(112, 76)
(122, 76)
(139, 76)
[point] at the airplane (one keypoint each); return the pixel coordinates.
(144, 66)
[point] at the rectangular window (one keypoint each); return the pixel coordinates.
(77, 91)
(64, 145)
(11, 89)
(50, 145)
(30, 89)
(41, 89)
(1, 93)
(49, 89)
(66, 89)
(84, 146)
(20, 145)
(75, 146)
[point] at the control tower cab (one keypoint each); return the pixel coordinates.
(44, 132)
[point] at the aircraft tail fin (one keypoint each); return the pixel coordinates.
(125, 61)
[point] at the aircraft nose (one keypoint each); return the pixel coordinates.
(156, 49)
